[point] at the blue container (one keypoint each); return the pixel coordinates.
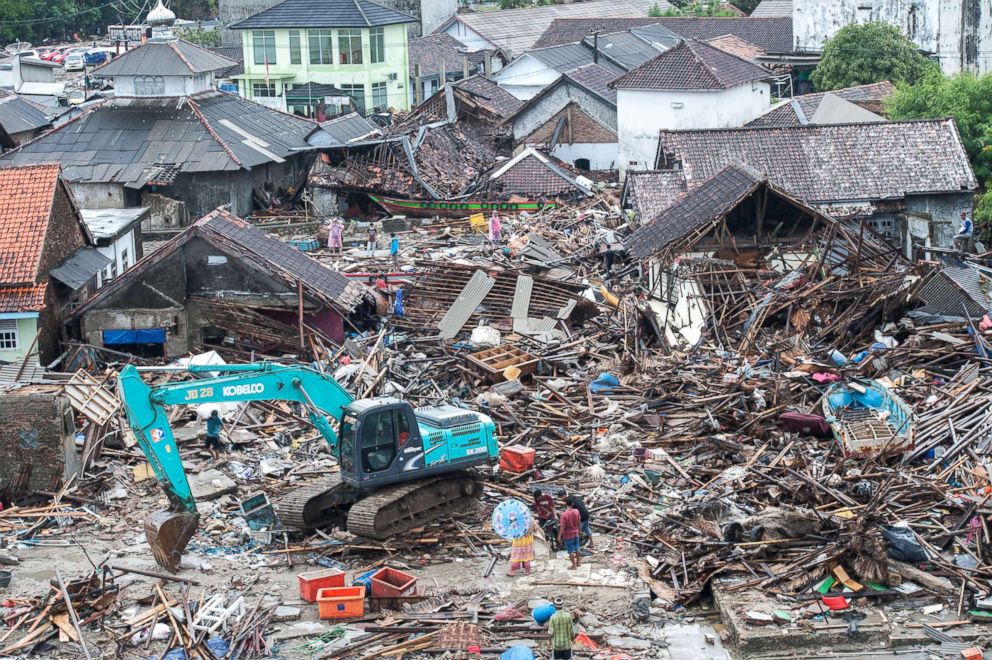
(365, 579)
(543, 613)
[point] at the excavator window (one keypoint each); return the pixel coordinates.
(347, 444)
(378, 441)
(403, 425)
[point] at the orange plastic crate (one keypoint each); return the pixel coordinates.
(341, 602)
(390, 583)
(516, 459)
(311, 583)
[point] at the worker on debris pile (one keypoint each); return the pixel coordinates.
(544, 510)
(561, 625)
(962, 240)
(569, 532)
(335, 235)
(394, 249)
(522, 551)
(214, 426)
(585, 530)
(373, 240)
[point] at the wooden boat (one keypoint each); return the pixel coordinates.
(868, 420)
(454, 207)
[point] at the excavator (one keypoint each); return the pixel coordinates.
(400, 467)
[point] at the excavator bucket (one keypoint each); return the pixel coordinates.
(168, 534)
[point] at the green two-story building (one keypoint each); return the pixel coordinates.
(307, 56)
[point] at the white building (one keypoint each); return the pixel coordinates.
(117, 236)
(957, 32)
(691, 86)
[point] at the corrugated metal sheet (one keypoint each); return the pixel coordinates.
(521, 296)
(472, 294)
(80, 268)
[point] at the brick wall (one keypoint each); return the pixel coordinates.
(36, 441)
(584, 130)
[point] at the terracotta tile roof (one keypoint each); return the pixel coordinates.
(25, 207)
(786, 114)
(831, 163)
(692, 65)
(490, 95)
(720, 193)
(734, 45)
(650, 192)
(533, 174)
(22, 298)
(774, 35)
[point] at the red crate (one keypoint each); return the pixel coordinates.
(311, 583)
(516, 459)
(341, 602)
(390, 583)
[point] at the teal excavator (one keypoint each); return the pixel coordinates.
(400, 467)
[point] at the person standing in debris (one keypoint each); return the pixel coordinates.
(373, 240)
(214, 426)
(544, 511)
(569, 532)
(495, 229)
(394, 249)
(962, 240)
(335, 236)
(561, 625)
(585, 531)
(522, 551)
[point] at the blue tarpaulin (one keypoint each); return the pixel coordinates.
(146, 336)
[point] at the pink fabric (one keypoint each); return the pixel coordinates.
(985, 323)
(334, 236)
(495, 228)
(822, 377)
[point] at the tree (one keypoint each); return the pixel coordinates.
(968, 99)
(869, 53)
(201, 37)
(699, 8)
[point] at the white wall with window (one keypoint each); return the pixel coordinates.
(17, 332)
(121, 253)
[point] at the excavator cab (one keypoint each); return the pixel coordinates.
(379, 442)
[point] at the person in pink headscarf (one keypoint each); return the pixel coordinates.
(495, 229)
(334, 236)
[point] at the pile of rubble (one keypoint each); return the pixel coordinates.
(730, 478)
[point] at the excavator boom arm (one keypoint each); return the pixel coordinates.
(144, 406)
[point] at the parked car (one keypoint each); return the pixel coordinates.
(75, 61)
(76, 96)
(64, 53)
(28, 53)
(53, 53)
(96, 57)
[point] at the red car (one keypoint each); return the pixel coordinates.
(51, 52)
(62, 54)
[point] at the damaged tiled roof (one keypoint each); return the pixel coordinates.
(533, 174)
(487, 93)
(773, 35)
(709, 201)
(129, 140)
(786, 113)
(691, 65)
(430, 51)
(258, 249)
(22, 298)
(25, 209)
(837, 163)
(734, 45)
(650, 192)
(275, 254)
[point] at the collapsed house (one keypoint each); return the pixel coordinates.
(437, 154)
(907, 180)
(220, 283)
(739, 257)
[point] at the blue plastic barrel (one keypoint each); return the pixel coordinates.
(542, 613)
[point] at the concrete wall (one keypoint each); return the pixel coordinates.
(173, 319)
(98, 195)
(525, 76)
(174, 85)
(126, 245)
(642, 114)
(528, 121)
(601, 155)
(36, 441)
(944, 213)
(958, 31)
